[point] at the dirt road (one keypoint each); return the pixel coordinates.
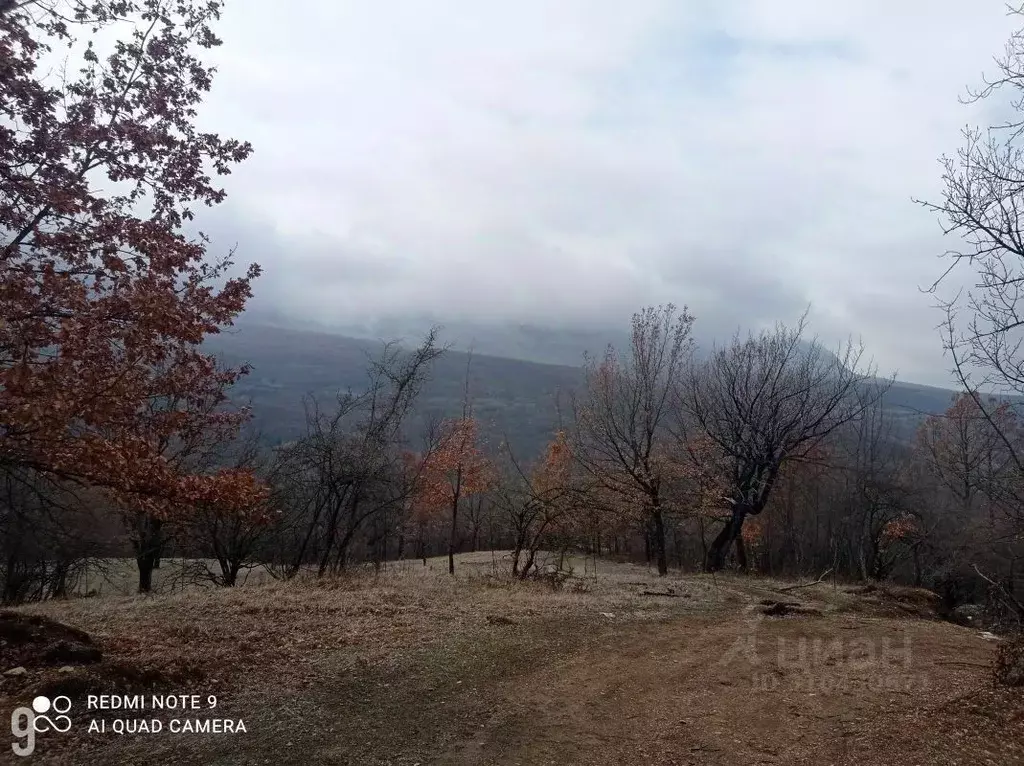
(689, 690)
(748, 690)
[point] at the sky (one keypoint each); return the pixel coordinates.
(566, 163)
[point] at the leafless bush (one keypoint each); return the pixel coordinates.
(49, 530)
(1009, 665)
(349, 467)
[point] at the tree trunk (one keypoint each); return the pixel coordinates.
(659, 541)
(451, 537)
(145, 574)
(530, 556)
(147, 551)
(231, 575)
(741, 553)
(332, 528)
(11, 579)
(521, 544)
(423, 542)
(59, 589)
(719, 547)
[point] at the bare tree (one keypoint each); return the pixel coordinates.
(981, 207)
(349, 466)
(541, 506)
(884, 525)
(965, 454)
(478, 510)
(765, 400)
(620, 432)
(461, 469)
(50, 530)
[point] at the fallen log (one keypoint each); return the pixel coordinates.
(823, 575)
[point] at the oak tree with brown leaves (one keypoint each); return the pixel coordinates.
(968, 452)
(453, 471)
(104, 300)
(964, 449)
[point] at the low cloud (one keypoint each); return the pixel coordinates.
(569, 162)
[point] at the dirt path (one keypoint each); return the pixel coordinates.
(749, 690)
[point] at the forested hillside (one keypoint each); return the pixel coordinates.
(510, 397)
(513, 398)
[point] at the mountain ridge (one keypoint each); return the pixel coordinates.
(518, 400)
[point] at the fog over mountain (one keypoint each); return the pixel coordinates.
(520, 393)
(445, 162)
(546, 344)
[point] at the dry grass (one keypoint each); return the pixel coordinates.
(407, 666)
(214, 637)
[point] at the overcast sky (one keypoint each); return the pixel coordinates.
(568, 161)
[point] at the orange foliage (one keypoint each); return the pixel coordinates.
(966, 449)
(455, 469)
(552, 483)
(901, 528)
(753, 533)
(553, 473)
(962, 435)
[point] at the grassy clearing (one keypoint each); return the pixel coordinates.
(338, 637)
(413, 666)
(277, 622)
(219, 635)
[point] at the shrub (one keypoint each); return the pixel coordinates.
(1009, 665)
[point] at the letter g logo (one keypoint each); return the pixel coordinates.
(26, 722)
